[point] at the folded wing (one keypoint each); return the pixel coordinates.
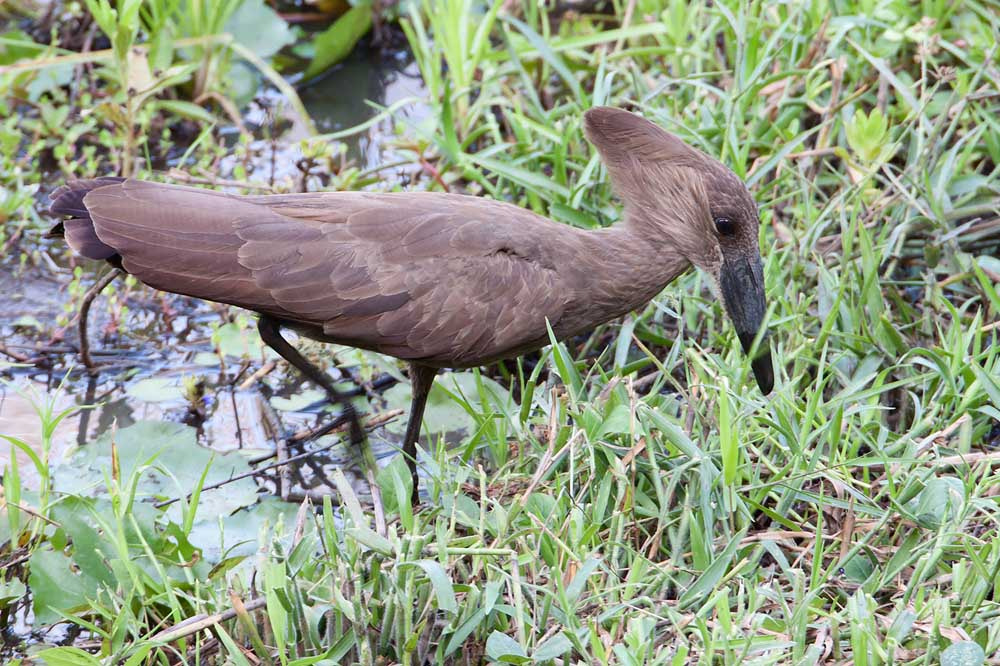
(441, 278)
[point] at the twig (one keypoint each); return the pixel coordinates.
(259, 373)
(184, 177)
(284, 473)
(306, 17)
(20, 358)
(435, 174)
(31, 512)
(626, 20)
(88, 299)
(193, 625)
(23, 555)
(373, 423)
(227, 106)
(944, 433)
(12, 241)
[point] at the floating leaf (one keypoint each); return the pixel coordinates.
(155, 389)
(234, 340)
(56, 585)
(11, 590)
(443, 414)
(298, 401)
(27, 321)
(170, 446)
(336, 42)
(258, 27)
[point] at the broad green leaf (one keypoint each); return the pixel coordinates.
(963, 653)
(258, 27)
(939, 501)
(553, 648)
(501, 647)
(444, 591)
(336, 42)
(156, 389)
(68, 656)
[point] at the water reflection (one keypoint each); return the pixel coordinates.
(340, 99)
(350, 94)
(166, 337)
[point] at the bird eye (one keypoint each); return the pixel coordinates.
(725, 226)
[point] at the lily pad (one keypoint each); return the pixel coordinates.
(444, 413)
(336, 42)
(57, 585)
(82, 557)
(156, 389)
(258, 27)
(298, 401)
(27, 321)
(172, 464)
(11, 590)
(237, 341)
(239, 534)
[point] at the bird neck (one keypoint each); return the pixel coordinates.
(631, 269)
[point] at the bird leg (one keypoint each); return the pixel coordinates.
(421, 378)
(270, 333)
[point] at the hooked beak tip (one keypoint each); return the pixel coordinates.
(763, 371)
(741, 281)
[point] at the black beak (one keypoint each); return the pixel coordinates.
(742, 284)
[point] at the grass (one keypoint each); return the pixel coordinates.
(641, 502)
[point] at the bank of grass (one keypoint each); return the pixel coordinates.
(645, 504)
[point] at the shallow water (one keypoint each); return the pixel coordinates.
(340, 100)
(164, 343)
(349, 95)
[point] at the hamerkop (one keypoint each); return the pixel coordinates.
(438, 280)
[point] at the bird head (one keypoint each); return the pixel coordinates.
(694, 206)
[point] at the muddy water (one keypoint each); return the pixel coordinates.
(161, 346)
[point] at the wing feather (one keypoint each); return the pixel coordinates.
(445, 279)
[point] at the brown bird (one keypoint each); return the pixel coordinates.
(438, 280)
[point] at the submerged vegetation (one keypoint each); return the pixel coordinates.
(628, 497)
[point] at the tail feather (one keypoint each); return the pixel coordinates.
(79, 230)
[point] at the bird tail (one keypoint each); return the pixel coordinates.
(79, 230)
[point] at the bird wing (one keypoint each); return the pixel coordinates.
(439, 278)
